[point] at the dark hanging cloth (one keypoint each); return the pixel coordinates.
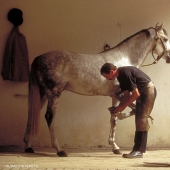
(15, 60)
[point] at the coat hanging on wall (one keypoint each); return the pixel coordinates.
(15, 59)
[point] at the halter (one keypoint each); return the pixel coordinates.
(157, 37)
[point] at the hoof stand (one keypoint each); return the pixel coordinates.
(62, 154)
(117, 151)
(29, 150)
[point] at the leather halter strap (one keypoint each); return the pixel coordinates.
(157, 37)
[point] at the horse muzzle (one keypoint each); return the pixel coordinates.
(168, 58)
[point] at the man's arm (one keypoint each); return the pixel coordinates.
(127, 99)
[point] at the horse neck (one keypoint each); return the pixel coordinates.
(136, 48)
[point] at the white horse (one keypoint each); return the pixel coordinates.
(56, 71)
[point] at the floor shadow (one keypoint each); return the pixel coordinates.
(156, 164)
(50, 154)
(23, 154)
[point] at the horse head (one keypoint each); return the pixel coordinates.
(162, 46)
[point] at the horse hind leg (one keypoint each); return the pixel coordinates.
(27, 140)
(50, 116)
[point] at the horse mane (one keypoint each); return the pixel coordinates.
(144, 31)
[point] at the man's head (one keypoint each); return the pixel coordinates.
(109, 71)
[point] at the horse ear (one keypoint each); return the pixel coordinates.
(158, 28)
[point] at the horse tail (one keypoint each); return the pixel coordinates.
(34, 101)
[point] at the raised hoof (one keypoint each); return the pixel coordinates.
(29, 150)
(62, 154)
(117, 151)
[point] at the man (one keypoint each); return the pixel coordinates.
(135, 85)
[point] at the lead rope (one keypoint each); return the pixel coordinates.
(154, 62)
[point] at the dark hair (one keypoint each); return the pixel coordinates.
(107, 67)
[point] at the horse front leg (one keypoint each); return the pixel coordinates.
(111, 140)
(51, 119)
(113, 123)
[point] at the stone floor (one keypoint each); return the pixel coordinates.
(12, 158)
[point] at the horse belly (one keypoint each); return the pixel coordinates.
(92, 88)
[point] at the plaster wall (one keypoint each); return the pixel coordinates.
(82, 26)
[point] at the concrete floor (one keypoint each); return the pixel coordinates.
(12, 158)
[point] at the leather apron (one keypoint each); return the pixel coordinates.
(144, 106)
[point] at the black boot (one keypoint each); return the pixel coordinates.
(139, 147)
(133, 154)
(140, 141)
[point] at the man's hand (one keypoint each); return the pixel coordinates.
(119, 108)
(127, 99)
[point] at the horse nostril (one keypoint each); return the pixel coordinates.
(168, 59)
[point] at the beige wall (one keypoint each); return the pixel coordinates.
(82, 26)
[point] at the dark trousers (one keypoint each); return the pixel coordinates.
(144, 105)
(140, 141)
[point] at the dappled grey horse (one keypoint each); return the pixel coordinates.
(56, 71)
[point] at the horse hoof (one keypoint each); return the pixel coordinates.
(29, 150)
(117, 152)
(62, 154)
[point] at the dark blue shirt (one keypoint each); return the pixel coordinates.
(131, 78)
